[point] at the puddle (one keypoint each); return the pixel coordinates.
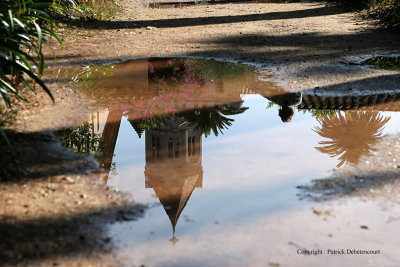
(217, 151)
(206, 3)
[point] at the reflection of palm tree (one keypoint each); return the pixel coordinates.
(214, 118)
(352, 134)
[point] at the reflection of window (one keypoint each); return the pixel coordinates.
(170, 148)
(191, 145)
(155, 146)
(173, 147)
(177, 149)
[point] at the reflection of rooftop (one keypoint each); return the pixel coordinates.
(378, 102)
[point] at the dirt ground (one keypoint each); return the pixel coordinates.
(307, 46)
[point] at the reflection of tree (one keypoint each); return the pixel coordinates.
(214, 118)
(81, 139)
(352, 134)
(152, 122)
(320, 113)
(205, 120)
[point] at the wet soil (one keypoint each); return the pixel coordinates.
(308, 46)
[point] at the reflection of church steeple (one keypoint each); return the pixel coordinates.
(136, 126)
(173, 165)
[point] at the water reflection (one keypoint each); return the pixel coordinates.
(352, 134)
(147, 87)
(286, 101)
(173, 165)
(174, 102)
(214, 119)
(353, 124)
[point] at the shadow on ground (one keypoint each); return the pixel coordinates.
(203, 21)
(354, 185)
(39, 154)
(48, 217)
(71, 236)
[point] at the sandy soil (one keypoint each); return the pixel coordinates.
(308, 46)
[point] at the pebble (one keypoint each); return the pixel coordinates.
(69, 179)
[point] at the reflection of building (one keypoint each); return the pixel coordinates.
(376, 102)
(135, 83)
(173, 159)
(173, 165)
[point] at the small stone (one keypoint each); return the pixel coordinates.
(364, 227)
(69, 179)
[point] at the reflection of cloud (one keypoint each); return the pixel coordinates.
(256, 240)
(352, 134)
(374, 177)
(256, 217)
(269, 156)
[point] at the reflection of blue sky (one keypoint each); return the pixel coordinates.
(258, 149)
(257, 117)
(250, 175)
(254, 241)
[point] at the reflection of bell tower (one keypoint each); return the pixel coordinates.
(173, 165)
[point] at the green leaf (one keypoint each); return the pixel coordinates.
(3, 134)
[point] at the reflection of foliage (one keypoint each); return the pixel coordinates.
(165, 84)
(81, 139)
(176, 71)
(205, 120)
(271, 104)
(86, 77)
(113, 169)
(214, 118)
(352, 134)
(200, 70)
(217, 70)
(386, 63)
(153, 122)
(321, 113)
